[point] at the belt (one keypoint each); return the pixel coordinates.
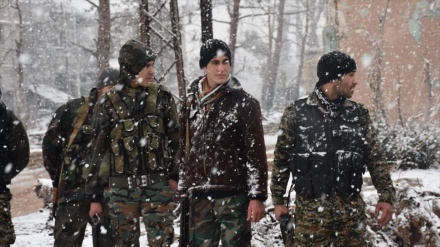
(136, 181)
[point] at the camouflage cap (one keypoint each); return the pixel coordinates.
(108, 77)
(133, 57)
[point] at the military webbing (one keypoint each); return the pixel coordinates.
(79, 122)
(124, 113)
(121, 108)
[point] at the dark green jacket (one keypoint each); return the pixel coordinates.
(72, 161)
(14, 147)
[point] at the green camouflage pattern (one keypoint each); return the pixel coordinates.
(7, 234)
(71, 221)
(374, 155)
(212, 220)
(333, 222)
(153, 203)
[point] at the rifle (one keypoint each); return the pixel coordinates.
(184, 221)
(287, 229)
(184, 204)
(96, 224)
(287, 224)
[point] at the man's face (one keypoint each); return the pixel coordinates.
(217, 71)
(145, 76)
(104, 90)
(345, 86)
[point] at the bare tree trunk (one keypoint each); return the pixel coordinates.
(22, 112)
(377, 80)
(399, 96)
(234, 28)
(273, 71)
(144, 23)
(206, 19)
(266, 84)
(177, 44)
(103, 44)
(295, 88)
(427, 81)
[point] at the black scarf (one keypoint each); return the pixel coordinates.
(331, 106)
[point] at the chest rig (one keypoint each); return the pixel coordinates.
(139, 145)
(329, 152)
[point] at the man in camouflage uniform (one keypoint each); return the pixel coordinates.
(135, 139)
(14, 156)
(326, 142)
(225, 172)
(66, 147)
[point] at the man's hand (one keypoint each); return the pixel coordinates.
(279, 210)
(173, 185)
(96, 208)
(387, 213)
(256, 211)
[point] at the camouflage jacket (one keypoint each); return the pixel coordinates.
(284, 151)
(227, 151)
(107, 116)
(14, 147)
(70, 162)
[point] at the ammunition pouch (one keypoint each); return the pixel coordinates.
(137, 181)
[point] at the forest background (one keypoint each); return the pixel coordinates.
(52, 51)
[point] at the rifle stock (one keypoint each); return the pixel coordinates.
(54, 201)
(184, 221)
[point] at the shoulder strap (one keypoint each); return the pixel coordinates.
(151, 103)
(79, 122)
(121, 108)
(187, 142)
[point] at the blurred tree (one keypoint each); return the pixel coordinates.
(103, 43)
(206, 19)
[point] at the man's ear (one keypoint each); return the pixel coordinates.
(204, 70)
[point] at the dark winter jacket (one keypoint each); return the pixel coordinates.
(130, 107)
(227, 150)
(327, 154)
(71, 160)
(14, 147)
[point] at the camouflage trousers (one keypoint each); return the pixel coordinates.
(71, 221)
(212, 220)
(154, 203)
(7, 234)
(331, 222)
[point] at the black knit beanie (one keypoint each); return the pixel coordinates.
(108, 77)
(333, 65)
(213, 48)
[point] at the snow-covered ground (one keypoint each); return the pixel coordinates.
(418, 186)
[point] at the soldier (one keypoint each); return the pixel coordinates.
(326, 142)
(14, 156)
(225, 172)
(135, 139)
(66, 148)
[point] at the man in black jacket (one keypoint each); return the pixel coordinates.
(14, 156)
(326, 142)
(66, 146)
